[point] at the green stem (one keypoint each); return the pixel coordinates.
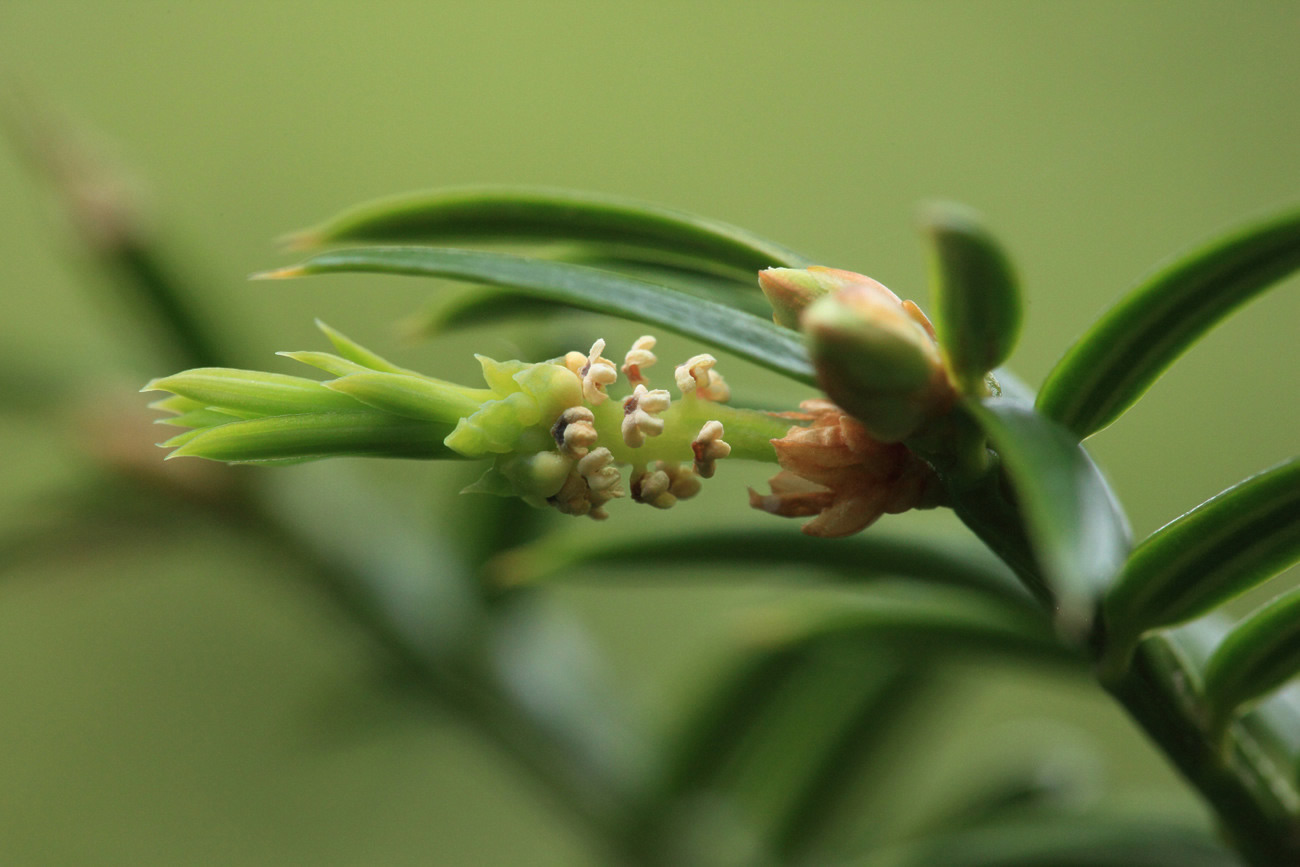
(1256, 804)
(748, 432)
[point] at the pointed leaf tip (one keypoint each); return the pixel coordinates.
(287, 273)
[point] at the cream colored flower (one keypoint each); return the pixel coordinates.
(640, 415)
(698, 377)
(596, 372)
(709, 448)
(638, 358)
(575, 431)
(599, 471)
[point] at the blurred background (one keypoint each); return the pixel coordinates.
(169, 700)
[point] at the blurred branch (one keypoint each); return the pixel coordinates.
(102, 205)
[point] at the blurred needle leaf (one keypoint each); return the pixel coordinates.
(476, 308)
(1127, 350)
(931, 622)
(862, 558)
(1070, 840)
(771, 740)
(758, 340)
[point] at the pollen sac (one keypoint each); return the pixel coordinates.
(597, 467)
(698, 377)
(595, 371)
(709, 448)
(640, 415)
(638, 358)
(575, 431)
(588, 487)
(662, 484)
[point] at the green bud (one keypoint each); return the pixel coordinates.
(876, 360)
(529, 395)
(791, 290)
(537, 476)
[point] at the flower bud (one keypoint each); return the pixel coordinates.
(876, 360)
(791, 290)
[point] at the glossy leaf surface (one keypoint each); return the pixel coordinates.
(750, 337)
(1258, 655)
(1215, 552)
(1127, 350)
(531, 214)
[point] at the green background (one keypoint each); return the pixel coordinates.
(169, 701)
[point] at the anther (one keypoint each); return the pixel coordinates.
(698, 377)
(596, 372)
(575, 431)
(640, 411)
(601, 474)
(638, 358)
(709, 448)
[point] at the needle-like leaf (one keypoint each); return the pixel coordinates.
(534, 214)
(858, 559)
(1219, 550)
(316, 435)
(1127, 350)
(1258, 655)
(750, 337)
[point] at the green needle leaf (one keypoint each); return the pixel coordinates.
(1079, 535)
(1127, 350)
(1258, 655)
(532, 214)
(317, 435)
(750, 337)
(975, 291)
(252, 393)
(412, 396)
(932, 620)
(1217, 551)
(857, 559)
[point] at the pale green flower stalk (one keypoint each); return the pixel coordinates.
(553, 433)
